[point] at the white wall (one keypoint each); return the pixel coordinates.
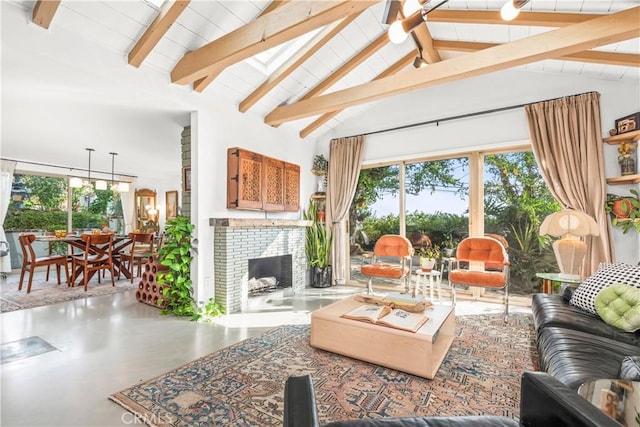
(496, 130)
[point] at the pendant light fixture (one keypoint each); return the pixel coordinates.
(400, 29)
(511, 9)
(114, 186)
(120, 187)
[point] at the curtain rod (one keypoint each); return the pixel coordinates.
(66, 167)
(462, 116)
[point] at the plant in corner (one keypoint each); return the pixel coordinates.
(318, 241)
(176, 254)
(624, 210)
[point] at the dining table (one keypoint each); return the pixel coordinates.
(119, 243)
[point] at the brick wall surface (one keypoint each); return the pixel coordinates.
(234, 246)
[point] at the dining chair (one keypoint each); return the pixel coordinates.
(30, 261)
(140, 250)
(97, 256)
(488, 267)
(391, 247)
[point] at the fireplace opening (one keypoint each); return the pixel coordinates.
(269, 274)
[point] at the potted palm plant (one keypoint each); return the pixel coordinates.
(318, 242)
(428, 256)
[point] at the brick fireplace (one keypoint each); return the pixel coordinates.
(237, 240)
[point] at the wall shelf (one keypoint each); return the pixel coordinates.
(627, 136)
(625, 179)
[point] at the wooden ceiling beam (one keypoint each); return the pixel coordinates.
(347, 67)
(593, 56)
(534, 19)
(429, 53)
(396, 67)
(43, 12)
(272, 6)
(290, 65)
(156, 30)
(568, 40)
(201, 84)
(286, 23)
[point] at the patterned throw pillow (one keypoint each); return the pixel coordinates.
(584, 297)
(619, 305)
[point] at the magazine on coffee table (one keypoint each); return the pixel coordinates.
(386, 316)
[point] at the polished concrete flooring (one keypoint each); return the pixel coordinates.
(105, 344)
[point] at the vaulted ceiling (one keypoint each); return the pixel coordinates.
(316, 64)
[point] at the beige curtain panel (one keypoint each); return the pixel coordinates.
(345, 161)
(567, 141)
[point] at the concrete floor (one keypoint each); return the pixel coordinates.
(108, 343)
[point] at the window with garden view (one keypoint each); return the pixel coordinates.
(433, 207)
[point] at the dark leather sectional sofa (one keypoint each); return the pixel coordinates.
(573, 346)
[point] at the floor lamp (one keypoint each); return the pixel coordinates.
(569, 225)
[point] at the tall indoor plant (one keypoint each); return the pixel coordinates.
(318, 241)
(176, 255)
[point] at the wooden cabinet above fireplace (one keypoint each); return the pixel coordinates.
(257, 182)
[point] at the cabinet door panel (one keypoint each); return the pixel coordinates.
(273, 184)
(244, 179)
(291, 187)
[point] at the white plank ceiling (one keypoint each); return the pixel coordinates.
(117, 25)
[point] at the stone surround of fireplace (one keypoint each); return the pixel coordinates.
(236, 240)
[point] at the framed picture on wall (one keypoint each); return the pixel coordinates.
(186, 178)
(172, 204)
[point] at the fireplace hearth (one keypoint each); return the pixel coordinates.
(268, 274)
(238, 241)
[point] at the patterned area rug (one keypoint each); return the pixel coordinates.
(45, 293)
(243, 385)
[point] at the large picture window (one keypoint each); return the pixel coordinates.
(434, 201)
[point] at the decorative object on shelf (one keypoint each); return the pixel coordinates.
(624, 210)
(613, 132)
(569, 224)
(625, 158)
(320, 168)
(428, 256)
(318, 242)
(628, 123)
(320, 165)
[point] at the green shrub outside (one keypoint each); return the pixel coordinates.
(51, 220)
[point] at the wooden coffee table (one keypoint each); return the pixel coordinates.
(419, 353)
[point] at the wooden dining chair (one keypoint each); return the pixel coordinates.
(488, 267)
(137, 254)
(30, 261)
(97, 257)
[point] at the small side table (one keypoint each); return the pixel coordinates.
(429, 275)
(617, 398)
(548, 280)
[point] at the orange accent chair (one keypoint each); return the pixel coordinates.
(390, 246)
(97, 256)
(495, 273)
(30, 261)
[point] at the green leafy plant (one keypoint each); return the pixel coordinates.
(176, 254)
(207, 312)
(320, 164)
(318, 239)
(430, 252)
(624, 210)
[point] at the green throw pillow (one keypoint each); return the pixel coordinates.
(619, 305)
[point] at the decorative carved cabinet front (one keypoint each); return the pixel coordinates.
(244, 179)
(259, 182)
